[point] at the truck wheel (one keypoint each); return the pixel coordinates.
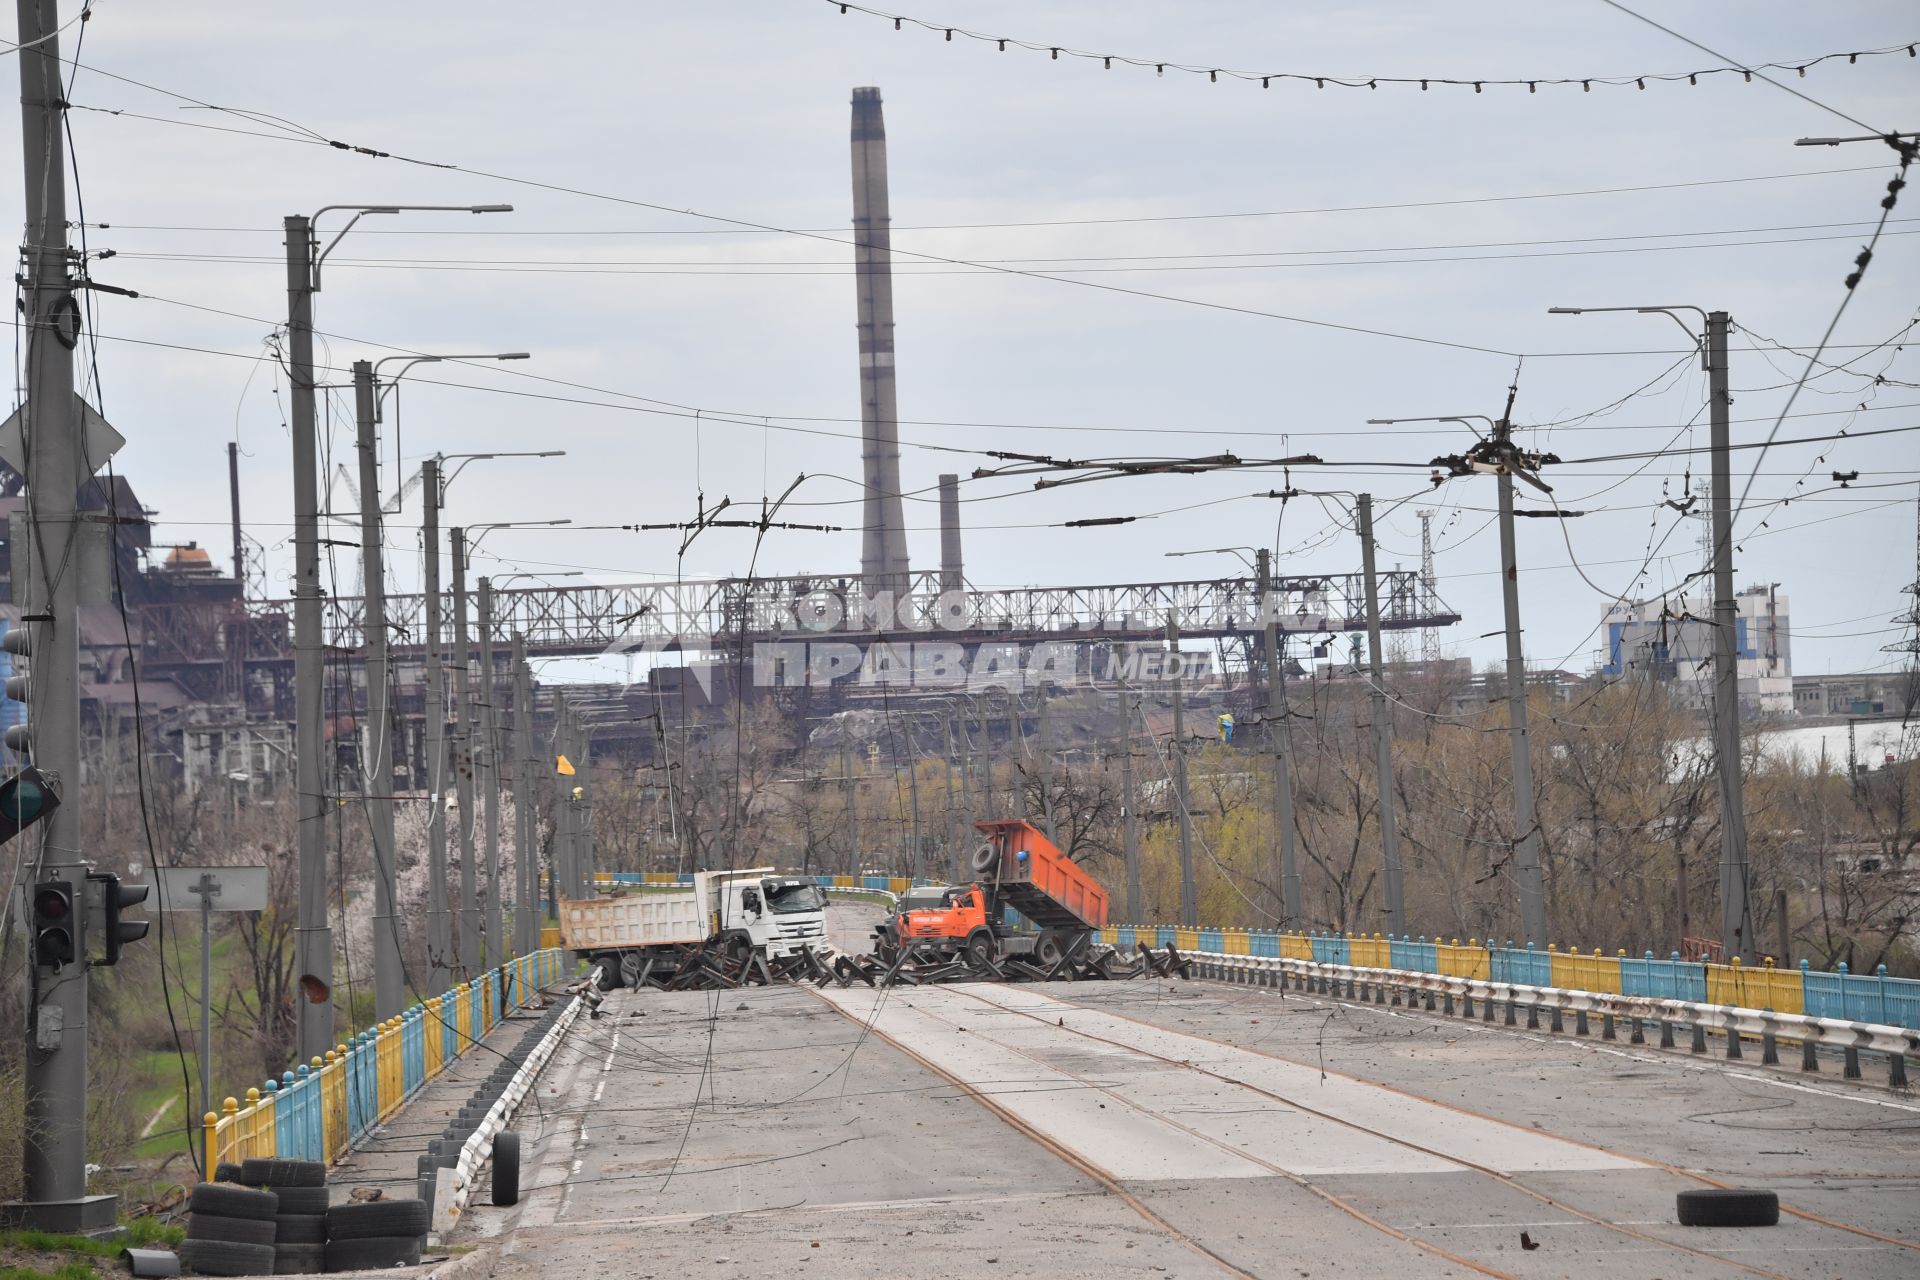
(609, 966)
(984, 857)
(980, 950)
(1048, 950)
(736, 950)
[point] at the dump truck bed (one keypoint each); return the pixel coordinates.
(639, 920)
(1045, 885)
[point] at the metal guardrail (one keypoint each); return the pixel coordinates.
(318, 1110)
(1842, 994)
(1368, 983)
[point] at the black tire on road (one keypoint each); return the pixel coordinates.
(981, 950)
(227, 1201)
(300, 1228)
(377, 1218)
(1727, 1207)
(299, 1259)
(225, 1258)
(265, 1172)
(210, 1226)
(367, 1252)
(1047, 949)
(303, 1200)
(506, 1168)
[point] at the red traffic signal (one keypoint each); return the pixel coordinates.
(54, 925)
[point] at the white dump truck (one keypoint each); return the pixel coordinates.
(737, 914)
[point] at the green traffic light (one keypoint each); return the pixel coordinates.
(25, 798)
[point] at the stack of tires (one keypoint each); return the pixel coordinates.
(375, 1233)
(230, 1230)
(300, 1223)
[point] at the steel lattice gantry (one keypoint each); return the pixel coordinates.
(720, 615)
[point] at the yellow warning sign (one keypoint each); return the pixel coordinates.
(563, 766)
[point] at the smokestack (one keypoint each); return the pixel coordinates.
(883, 550)
(952, 574)
(233, 487)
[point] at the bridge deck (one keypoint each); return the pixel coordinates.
(1183, 1129)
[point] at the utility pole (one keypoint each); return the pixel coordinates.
(439, 922)
(1046, 764)
(1280, 743)
(233, 502)
(55, 1133)
(1136, 909)
(1736, 903)
(913, 796)
(1016, 744)
(486, 777)
(389, 980)
(1189, 887)
(853, 812)
(526, 858)
(313, 937)
(583, 828)
(1395, 913)
(1533, 893)
(468, 915)
(560, 871)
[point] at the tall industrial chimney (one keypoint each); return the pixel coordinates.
(952, 573)
(883, 551)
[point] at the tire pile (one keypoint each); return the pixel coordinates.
(273, 1217)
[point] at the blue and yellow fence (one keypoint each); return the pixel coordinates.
(317, 1110)
(1855, 997)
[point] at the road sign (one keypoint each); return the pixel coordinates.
(101, 441)
(232, 889)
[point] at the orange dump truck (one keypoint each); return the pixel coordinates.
(1017, 867)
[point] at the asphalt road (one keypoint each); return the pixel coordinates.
(1172, 1128)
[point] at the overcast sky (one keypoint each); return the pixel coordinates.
(739, 108)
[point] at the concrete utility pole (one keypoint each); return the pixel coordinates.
(563, 819)
(486, 777)
(55, 1134)
(1046, 764)
(853, 812)
(1736, 888)
(583, 824)
(389, 980)
(439, 922)
(1533, 892)
(468, 914)
(1136, 908)
(1280, 743)
(313, 937)
(1189, 887)
(1016, 746)
(1396, 918)
(526, 857)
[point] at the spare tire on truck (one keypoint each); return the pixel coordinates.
(984, 856)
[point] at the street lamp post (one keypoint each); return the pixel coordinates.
(313, 939)
(1736, 888)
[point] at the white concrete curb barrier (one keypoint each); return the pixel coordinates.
(1761, 1024)
(455, 1186)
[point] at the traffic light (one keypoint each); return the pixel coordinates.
(18, 641)
(115, 898)
(25, 798)
(56, 924)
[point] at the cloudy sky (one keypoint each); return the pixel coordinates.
(609, 127)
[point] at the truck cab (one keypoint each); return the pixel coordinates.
(759, 911)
